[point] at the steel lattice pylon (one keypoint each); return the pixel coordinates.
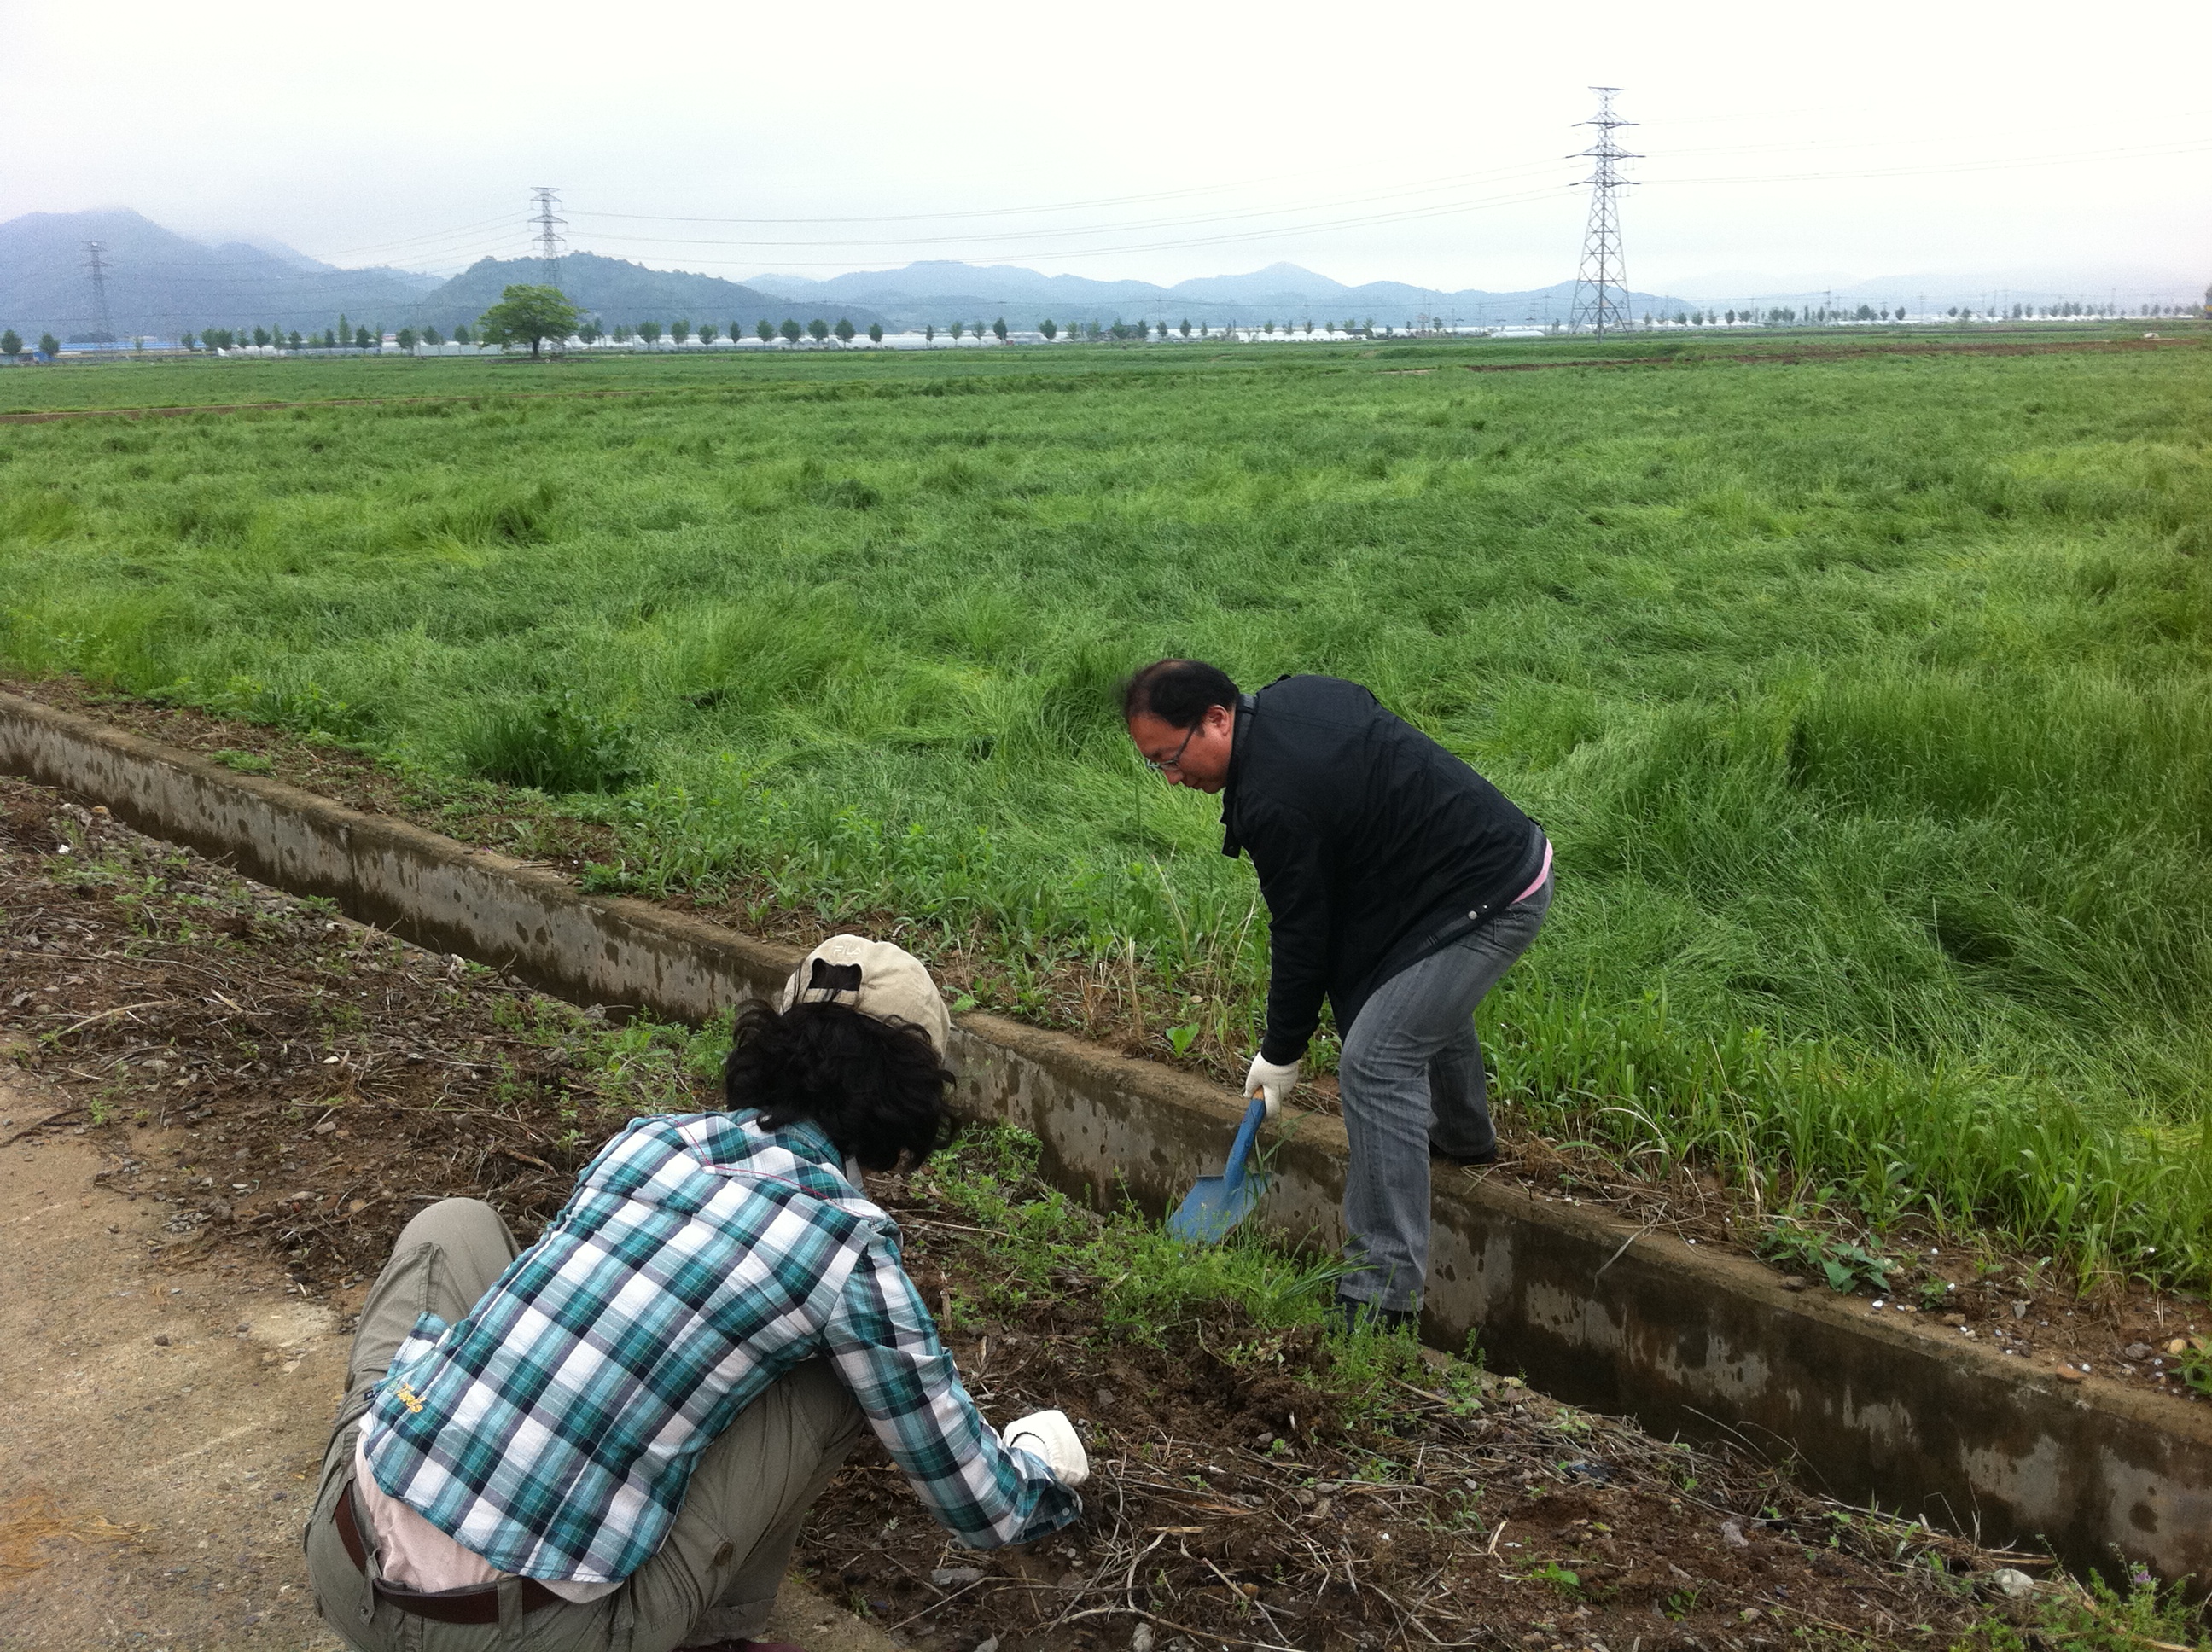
(1601, 283)
(549, 241)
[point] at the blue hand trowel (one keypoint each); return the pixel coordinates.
(1217, 1204)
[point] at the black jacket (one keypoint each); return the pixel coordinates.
(1375, 846)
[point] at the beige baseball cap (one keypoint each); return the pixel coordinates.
(876, 978)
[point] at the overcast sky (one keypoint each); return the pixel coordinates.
(2032, 144)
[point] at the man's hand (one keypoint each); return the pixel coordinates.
(1049, 1435)
(1273, 1081)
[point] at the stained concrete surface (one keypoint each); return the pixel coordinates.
(182, 1397)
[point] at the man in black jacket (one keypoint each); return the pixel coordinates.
(1400, 884)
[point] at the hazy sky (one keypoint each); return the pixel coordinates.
(2033, 143)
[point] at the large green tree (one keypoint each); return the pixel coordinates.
(528, 315)
(11, 342)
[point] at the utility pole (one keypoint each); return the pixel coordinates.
(549, 236)
(98, 270)
(1601, 283)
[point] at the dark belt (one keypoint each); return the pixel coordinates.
(478, 1604)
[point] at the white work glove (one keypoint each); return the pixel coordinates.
(1049, 1435)
(1270, 1080)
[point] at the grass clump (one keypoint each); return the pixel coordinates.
(556, 745)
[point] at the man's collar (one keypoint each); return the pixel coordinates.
(1239, 727)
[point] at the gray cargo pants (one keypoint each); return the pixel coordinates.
(1413, 1083)
(715, 1575)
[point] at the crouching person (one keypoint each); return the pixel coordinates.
(609, 1440)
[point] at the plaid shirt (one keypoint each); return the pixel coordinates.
(554, 1429)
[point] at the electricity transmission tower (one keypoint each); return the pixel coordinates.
(1601, 283)
(98, 270)
(549, 242)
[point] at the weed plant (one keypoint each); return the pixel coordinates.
(1866, 701)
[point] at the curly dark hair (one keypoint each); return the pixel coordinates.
(875, 1088)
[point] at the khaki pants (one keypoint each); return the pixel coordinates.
(715, 1575)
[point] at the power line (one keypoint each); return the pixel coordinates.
(1601, 283)
(549, 241)
(98, 270)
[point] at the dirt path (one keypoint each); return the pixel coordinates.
(168, 1409)
(168, 1415)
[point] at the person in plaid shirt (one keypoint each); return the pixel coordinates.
(609, 1440)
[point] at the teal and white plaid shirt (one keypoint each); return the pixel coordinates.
(554, 1429)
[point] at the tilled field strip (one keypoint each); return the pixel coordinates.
(1591, 1308)
(1759, 358)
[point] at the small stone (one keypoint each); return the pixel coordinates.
(2136, 1352)
(2066, 1373)
(1792, 1282)
(991, 1645)
(1144, 1638)
(2178, 1346)
(953, 1577)
(1732, 1535)
(1954, 1319)
(2015, 1585)
(162, 1341)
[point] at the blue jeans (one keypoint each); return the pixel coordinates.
(1413, 1083)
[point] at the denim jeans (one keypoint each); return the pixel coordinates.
(1413, 1083)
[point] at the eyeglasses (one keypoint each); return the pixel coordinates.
(1161, 765)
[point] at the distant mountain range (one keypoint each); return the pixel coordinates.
(940, 292)
(616, 292)
(159, 284)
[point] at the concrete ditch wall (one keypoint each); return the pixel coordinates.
(1687, 1342)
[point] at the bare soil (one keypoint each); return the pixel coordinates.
(273, 1089)
(2118, 1330)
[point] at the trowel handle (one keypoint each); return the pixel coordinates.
(1233, 1172)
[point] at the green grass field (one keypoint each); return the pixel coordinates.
(1866, 700)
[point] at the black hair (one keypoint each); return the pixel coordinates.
(1179, 692)
(876, 1087)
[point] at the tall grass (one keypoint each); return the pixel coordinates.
(1866, 701)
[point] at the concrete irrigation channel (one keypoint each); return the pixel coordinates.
(1588, 1309)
